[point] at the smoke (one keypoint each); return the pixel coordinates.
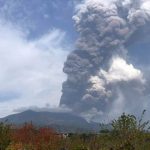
(100, 77)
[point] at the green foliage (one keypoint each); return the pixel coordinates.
(128, 124)
(129, 131)
(104, 129)
(80, 147)
(124, 125)
(5, 136)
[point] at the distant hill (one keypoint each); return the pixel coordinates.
(62, 122)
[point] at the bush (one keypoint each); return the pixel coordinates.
(81, 147)
(15, 146)
(5, 136)
(124, 126)
(129, 131)
(30, 137)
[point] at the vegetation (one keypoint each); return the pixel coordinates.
(5, 137)
(127, 133)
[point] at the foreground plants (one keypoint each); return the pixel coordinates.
(130, 132)
(5, 136)
(127, 133)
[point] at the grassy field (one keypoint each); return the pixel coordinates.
(127, 133)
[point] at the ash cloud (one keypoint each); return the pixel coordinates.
(100, 78)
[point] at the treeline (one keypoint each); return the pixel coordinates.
(126, 133)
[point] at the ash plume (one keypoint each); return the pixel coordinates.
(100, 79)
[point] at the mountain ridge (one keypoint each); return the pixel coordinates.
(62, 122)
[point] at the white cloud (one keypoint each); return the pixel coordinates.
(98, 84)
(92, 115)
(31, 70)
(120, 70)
(48, 108)
(146, 5)
(94, 2)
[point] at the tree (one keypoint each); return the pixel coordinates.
(129, 131)
(5, 135)
(124, 126)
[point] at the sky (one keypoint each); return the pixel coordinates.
(36, 38)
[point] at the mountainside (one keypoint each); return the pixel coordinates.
(62, 122)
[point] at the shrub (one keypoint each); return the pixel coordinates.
(5, 136)
(128, 131)
(15, 146)
(81, 147)
(34, 138)
(124, 126)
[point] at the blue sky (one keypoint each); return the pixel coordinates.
(38, 16)
(36, 37)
